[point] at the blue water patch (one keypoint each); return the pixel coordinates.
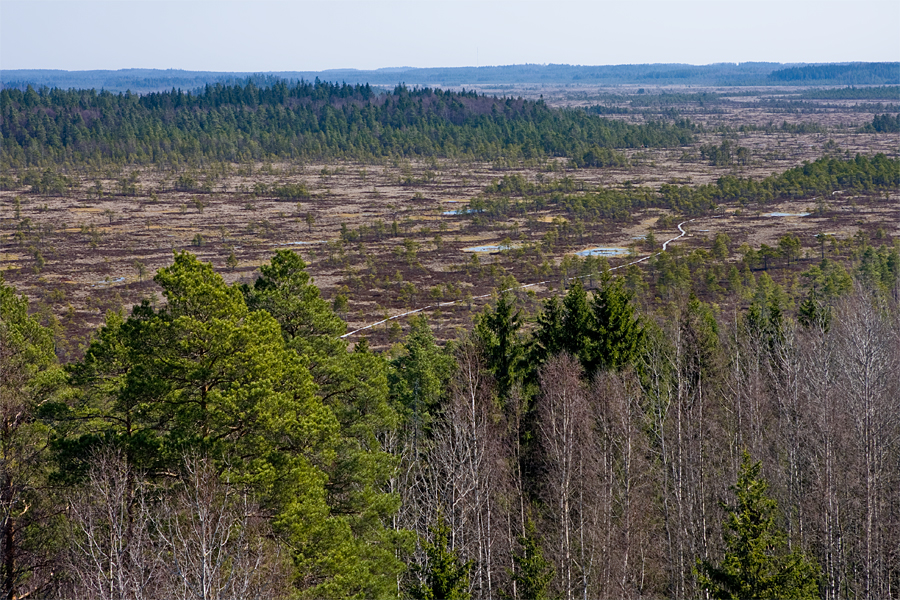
(603, 252)
(784, 214)
(489, 248)
(303, 243)
(110, 281)
(461, 211)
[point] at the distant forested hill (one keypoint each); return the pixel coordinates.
(148, 80)
(303, 120)
(845, 74)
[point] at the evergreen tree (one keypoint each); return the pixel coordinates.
(618, 335)
(533, 573)
(498, 331)
(354, 386)
(813, 312)
(756, 564)
(299, 426)
(577, 326)
(549, 338)
(603, 332)
(29, 375)
(420, 378)
(445, 576)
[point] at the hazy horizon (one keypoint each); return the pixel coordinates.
(271, 36)
(409, 67)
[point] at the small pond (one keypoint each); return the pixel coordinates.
(784, 214)
(110, 281)
(461, 211)
(603, 252)
(488, 248)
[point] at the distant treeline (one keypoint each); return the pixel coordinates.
(819, 178)
(884, 92)
(303, 120)
(853, 73)
(753, 73)
(884, 124)
(641, 100)
(653, 100)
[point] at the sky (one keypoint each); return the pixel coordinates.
(313, 35)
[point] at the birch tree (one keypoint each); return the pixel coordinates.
(469, 470)
(564, 427)
(868, 362)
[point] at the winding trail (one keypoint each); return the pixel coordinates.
(519, 287)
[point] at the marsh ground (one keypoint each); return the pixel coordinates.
(391, 237)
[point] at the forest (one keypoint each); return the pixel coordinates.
(301, 121)
(251, 402)
(228, 442)
(848, 74)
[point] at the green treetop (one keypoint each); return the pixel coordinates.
(533, 572)
(445, 576)
(756, 564)
(275, 399)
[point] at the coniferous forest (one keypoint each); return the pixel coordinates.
(704, 419)
(306, 120)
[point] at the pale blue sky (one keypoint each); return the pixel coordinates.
(263, 35)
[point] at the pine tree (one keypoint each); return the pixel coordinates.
(274, 398)
(354, 387)
(756, 564)
(29, 374)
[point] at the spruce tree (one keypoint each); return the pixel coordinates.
(445, 576)
(756, 564)
(498, 330)
(618, 334)
(533, 572)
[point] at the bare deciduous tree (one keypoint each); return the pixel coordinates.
(469, 472)
(111, 554)
(626, 485)
(827, 428)
(216, 544)
(564, 424)
(198, 539)
(868, 359)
